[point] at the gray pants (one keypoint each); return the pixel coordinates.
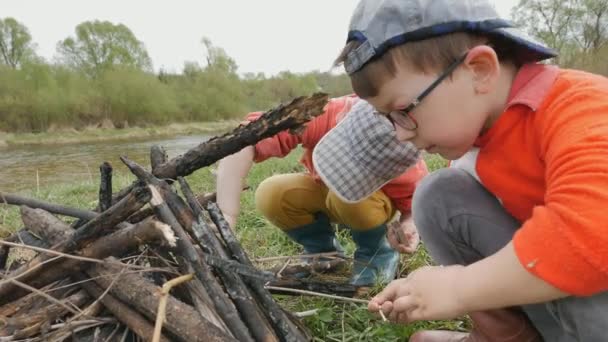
(460, 222)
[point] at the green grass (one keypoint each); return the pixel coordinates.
(335, 320)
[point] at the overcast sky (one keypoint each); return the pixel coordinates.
(261, 35)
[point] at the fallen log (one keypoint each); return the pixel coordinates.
(181, 320)
(284, 117)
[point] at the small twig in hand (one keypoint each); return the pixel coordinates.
(162, 304)
(383, 316)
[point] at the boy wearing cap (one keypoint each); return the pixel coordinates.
(519, 219)
(303, 207)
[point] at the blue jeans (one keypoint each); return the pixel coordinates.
(460, 222)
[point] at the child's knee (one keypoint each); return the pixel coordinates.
(366, 214)
(268, 196)
(438, 191)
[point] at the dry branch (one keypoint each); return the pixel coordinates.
(284, 117)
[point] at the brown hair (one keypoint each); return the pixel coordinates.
(428, 56)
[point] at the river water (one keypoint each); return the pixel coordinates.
(27, 167)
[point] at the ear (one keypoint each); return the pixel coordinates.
(484, 66)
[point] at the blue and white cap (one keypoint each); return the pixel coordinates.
(382, 24)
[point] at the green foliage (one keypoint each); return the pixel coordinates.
(100, 45)
(104, 78)
(135, 97)
(15, 43)
(576, 29)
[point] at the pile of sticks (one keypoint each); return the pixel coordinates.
(153, 262)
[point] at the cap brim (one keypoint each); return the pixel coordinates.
(536, 50)
(340, 170)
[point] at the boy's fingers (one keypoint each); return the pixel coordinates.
(387, 294)
(373, 306)
(405, 304)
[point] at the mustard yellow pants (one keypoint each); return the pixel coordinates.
(291, 200)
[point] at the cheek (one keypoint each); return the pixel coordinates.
(452, 122)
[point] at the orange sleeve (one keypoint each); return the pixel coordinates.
(401, 189)
(565, 242)
(284, 142)
(278, 145)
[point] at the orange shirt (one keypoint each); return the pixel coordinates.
(400, 190)
(546, 160)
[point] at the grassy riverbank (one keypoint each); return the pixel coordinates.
(334, 321)
(97, 134)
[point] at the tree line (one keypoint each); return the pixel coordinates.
(104, 73)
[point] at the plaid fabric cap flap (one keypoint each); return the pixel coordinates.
(361, 154)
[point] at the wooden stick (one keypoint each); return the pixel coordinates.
(105, 187)
(316, 294)
(295, 257)
(48, 227)
(331, 288)
(162, 303)
(278, 317)
(290, 116)
(50, 207)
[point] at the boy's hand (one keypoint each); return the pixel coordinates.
(429, 293)
(403, 236)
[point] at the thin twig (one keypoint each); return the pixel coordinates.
(69, 256)
(343, 330)
(109, 338)
(383, 316)
(306, 313)
(303, 256)
(162, 303)
(278, 274)
(317, 294)
(42, 294)
(152, 269)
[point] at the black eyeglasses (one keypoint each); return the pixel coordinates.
(403, 117)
